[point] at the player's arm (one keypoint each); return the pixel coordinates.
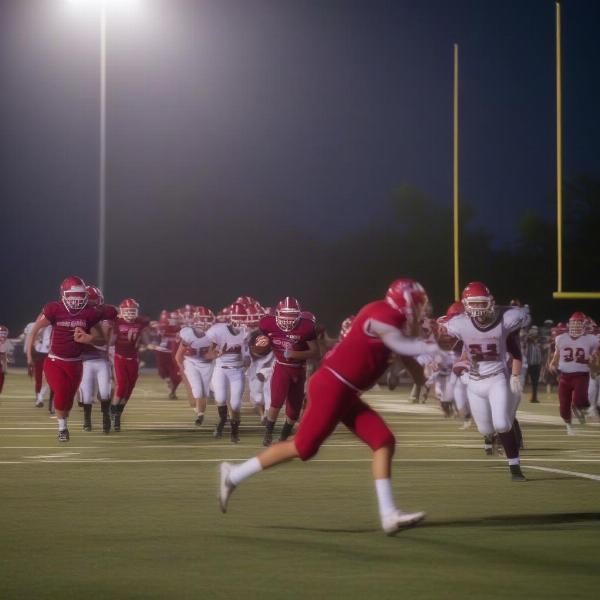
(39, 324)
(95, 337)
(397, 342)
(553, 364)
(179, 355)
(312, 352)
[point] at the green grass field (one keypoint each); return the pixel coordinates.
(134, 514)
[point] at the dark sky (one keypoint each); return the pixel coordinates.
(240, 128)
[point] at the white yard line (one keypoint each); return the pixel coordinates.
(561, 472)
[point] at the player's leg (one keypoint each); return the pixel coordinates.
(368, 425)
(194, 380)
(121, 388)
(256, 389)
(237, 380)
(461, 401)
(293, 405)
(174, 377)
(103, 379)
(320, 419)
(280, 382)
(63, 378)
(502, 404)
(565, 394)
(220, 387)
(580, 399)
(38, 373)
(481, 412)
(87, 389)
(593, 397)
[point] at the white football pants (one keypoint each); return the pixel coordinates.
(198, 375)
(460, 395)
(492, 404)
(228, 384)
(593, 389)
(96, 375)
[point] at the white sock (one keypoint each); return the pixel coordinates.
(514, 461)
(385, 498)
(62, 424)
(240, 472)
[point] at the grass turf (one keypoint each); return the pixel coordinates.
(134, 515)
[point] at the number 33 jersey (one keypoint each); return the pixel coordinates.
(574, 353)
(485, 345)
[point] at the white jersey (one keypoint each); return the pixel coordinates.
(575, 353)
(231, 344)
(485, 346)
(41, 343)
(196, 347)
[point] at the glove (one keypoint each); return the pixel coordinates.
(515, 385)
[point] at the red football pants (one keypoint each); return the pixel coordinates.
(330, 402)
(38, 371)
(64, 378)
(126, 374)
(287, 386)
(168, 368)
(572, 389)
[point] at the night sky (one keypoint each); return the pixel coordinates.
(240, 131)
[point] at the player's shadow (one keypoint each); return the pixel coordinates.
(491, 521)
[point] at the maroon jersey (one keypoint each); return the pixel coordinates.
(283, 340)
(168, 338)
(128, 336)
(62, 343)
(109, 315)
(361, 358)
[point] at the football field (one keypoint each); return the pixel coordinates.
(134, 514)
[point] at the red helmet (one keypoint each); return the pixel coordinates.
(3, 332)
(287, 313)
(455, 309)
(346, 325)
(253, 315)
(203, 318)
(129, 309)
(245, 300)
(95, 297)
(173, 318)
(223, 316)
(238, 315)
(477, 300)
(576, 324)
(73, 294)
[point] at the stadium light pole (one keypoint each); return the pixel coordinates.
(102, 162)
(455, 207)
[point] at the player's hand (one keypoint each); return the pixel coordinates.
(81, 337)
(289, 353)
(30, 368)
(260, 377)
(515, 385)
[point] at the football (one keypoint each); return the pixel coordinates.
(261, 345)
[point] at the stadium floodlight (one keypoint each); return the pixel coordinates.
(102, 6)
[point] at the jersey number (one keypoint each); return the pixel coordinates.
(579, 355)
(478, 353)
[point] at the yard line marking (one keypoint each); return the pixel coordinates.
(63, 454)
(561, 472)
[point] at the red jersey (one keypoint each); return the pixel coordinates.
(109, 314)
(62, 343)
(128, 336)
(168, 336)
(361, 358)
(283, 340)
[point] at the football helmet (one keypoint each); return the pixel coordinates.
(576, 324)
(253, 315)
(306, 314)
(95, 297)
(129, 309)
(203, 318)
(455, 309)
(3, 332)
(173, 318)
(287, 313)
(223, 316)
(478, 301)
(238, 315)
(73, 294)
(410, 298)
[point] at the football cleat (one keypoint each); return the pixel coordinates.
(579, 414)
(516, 474)
(106, 423)
(39, 404)
(225, 486)
(398, 520)
(199, 420)
(268, 438)
(63, 436)
(570, 430)
(218, 432)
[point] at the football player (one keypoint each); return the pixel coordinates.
(4, 351)
(484, 329)
(41, 346)
(165, 349)
(354, 365)
(574, 351)
(129, 331)
(97, 371)
(293, 339)
(228, 342)
(75, 324)
(195, 361)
